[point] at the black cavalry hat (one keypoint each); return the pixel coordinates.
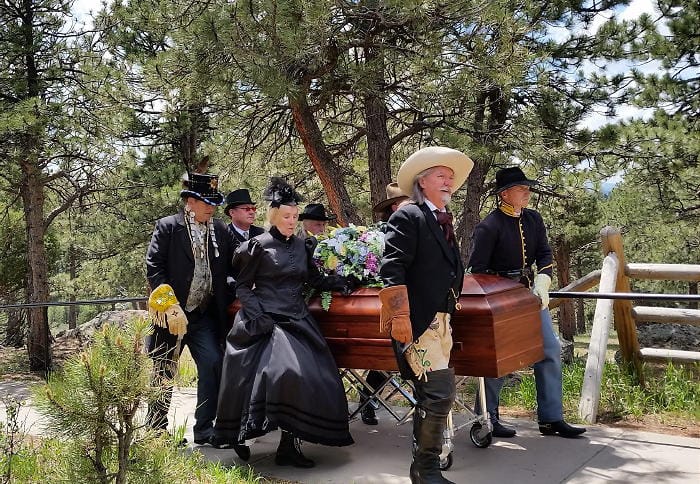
(203, 187)
(238, 197)
(315, 211)
(510, 177)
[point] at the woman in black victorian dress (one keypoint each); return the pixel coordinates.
(278, 371)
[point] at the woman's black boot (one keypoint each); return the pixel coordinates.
(289, 452)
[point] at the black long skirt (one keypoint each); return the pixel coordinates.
(280, 374)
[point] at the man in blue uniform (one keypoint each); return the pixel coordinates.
(509, 242)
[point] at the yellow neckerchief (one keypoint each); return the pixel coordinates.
(508, 209)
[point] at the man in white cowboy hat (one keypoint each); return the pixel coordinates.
(423, 272)
(187, 265)
(509, 242)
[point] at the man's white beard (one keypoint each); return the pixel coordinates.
(446, 198)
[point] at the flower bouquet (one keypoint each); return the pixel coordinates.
(350, 251)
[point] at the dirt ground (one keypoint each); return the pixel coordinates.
(14, 367)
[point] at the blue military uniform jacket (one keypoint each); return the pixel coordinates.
(507, 245)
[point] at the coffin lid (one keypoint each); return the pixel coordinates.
(480, 285)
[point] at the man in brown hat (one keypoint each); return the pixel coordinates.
(509, 242)
(423, 272)
(394, 199)
(375, 379)
(187, 265)
(241, 209)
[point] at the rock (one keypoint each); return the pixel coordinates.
(672, 336)
(86, 330)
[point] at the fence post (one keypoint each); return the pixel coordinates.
(624, 322)
(597, 348)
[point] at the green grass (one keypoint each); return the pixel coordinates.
(670, 389)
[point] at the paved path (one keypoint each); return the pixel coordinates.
(381, 454)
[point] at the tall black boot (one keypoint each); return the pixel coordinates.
(435, 399)
(289, 452)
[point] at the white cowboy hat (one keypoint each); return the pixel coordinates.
(432, 156)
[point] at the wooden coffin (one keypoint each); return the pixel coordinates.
(496, 331)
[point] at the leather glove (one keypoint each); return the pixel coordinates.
(351, 283)
(165, 311)
(540, 288)
(177, 321)
(394, 316)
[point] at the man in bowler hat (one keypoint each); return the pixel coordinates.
(509, 242)
(314, 219)
(241, 209)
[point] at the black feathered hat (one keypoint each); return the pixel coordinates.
(279, 192)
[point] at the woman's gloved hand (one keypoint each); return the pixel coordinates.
(540, 288)
(351, 283)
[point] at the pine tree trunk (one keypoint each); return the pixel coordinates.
(38, 338)
(72, 310)
(14, 333)
(470, 215)
(327, 170)
(378, 141)
(579, 304)
(567, 321)
(693, 289)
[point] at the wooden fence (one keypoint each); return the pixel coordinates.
(615, 277)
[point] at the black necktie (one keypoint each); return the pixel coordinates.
(445, 221)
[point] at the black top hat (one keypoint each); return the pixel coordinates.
(315, 211)
(203, 187)
(509, 177)
(238, 197)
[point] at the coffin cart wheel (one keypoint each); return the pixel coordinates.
(481, 435)
(446, 463)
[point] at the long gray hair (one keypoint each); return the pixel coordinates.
(418, 196)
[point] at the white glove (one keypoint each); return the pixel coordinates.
(540, 288)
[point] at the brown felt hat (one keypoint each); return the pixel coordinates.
(393, 195)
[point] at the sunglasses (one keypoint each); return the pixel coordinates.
(247, 209)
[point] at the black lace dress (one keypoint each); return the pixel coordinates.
(278, 371)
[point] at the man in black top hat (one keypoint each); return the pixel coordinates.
(241, 209)
(314, 219)
(187, 265)
(509, 242)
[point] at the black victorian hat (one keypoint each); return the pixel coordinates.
(315, 211)
(203, 187)
(238, 197)
(510, 177)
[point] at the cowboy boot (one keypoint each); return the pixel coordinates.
(289, 452)
(436, 397)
